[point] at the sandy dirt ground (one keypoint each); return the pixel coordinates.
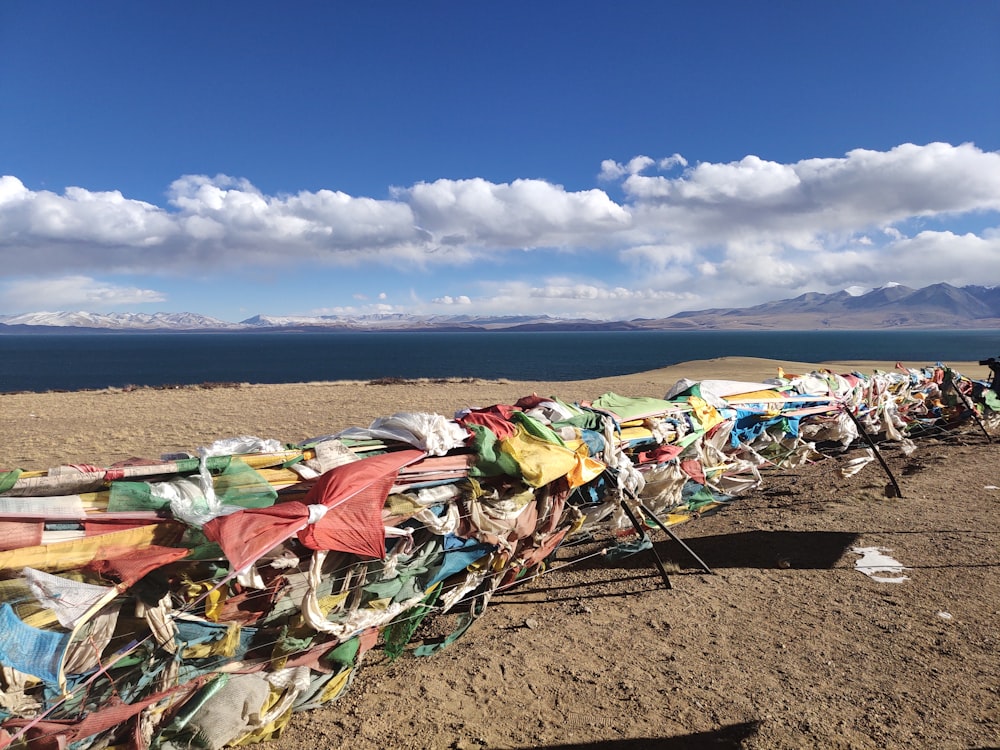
(785, 645)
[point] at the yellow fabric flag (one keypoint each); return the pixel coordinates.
(76, 553)
(704, 413)
(542, 462)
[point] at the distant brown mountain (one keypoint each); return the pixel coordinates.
(891, 306)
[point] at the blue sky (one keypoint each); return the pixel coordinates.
(607, 160)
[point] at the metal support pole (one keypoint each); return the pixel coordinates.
(642, 533)
(970, 407)
(875, 450)
(672, 535)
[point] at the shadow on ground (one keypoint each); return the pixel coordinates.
(802, 550)
(763, 549)
(726, 738)
(746, 549)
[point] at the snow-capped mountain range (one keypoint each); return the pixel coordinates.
(889, 306)
(196, 322)
(119, 321)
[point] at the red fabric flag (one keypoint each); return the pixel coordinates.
(17, 534)
(659, 455)
(128, 565)
(496, 418)
(692, 467)
(59, 733)
(355, 494)
(247, 534)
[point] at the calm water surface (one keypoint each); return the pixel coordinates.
(42, 362)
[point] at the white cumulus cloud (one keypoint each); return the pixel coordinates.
(684, 233)
(561, 297)
(477, 214)
(72, 292)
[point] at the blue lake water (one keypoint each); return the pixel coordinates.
(43, 362)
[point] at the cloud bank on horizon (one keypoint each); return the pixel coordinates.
(654, 236)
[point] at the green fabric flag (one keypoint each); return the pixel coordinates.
(991, 399)
(490, 460)
(133, 496)
(237, 484)
(8, 479)
(399, 632)
(345, 654)
(534, 427)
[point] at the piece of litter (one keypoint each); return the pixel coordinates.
(944, 615)
(874, 564)
(852, 467)
(991, 487)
